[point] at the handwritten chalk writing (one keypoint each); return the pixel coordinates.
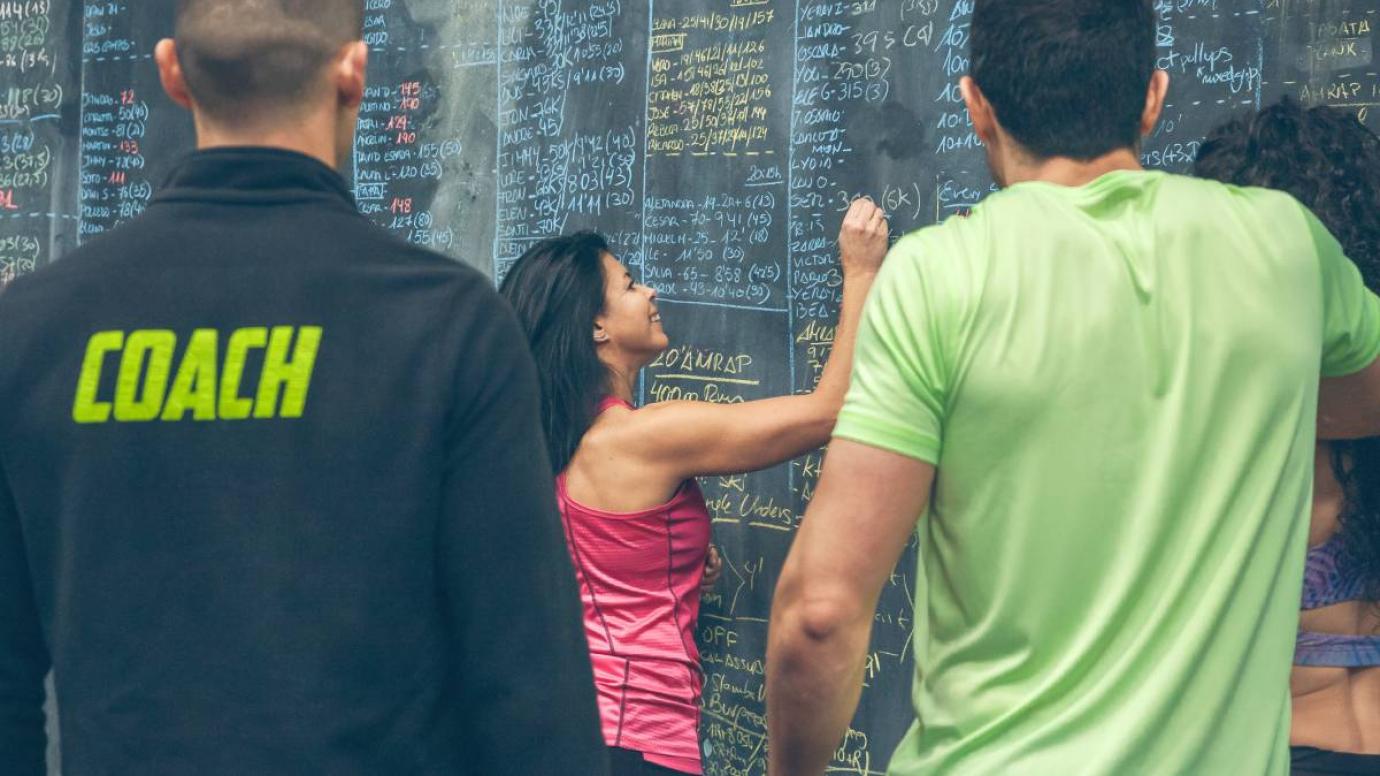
(1206, 69)
(715, 144)
(695, 359)
(33, 149)
(114, 187)
(709, 97)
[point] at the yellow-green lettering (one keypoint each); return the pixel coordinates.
(194, 387)
(232, 407)
(156, 347)
(292, 377)
(85, 408)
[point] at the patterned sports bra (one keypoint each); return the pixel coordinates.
(1329, 578)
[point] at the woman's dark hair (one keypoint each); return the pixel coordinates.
(1065, 77)
(1330, 162)
(557, 289)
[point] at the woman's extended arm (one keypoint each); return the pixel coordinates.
(693, 438)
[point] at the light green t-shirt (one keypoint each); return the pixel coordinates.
(1118, 384)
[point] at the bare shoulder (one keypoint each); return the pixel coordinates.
(610, 429)
(634, 428)
(616, 467)
(645, 434)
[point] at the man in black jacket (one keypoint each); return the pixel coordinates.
(273, 498)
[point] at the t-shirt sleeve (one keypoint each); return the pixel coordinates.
(1351, 312)
(896, 399)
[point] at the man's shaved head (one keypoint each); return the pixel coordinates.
(242, 59)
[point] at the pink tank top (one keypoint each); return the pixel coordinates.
(639, 575)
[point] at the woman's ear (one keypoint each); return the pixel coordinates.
(600, 334)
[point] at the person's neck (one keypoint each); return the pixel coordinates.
(314, 137)
(621, 383)
(1063, 171)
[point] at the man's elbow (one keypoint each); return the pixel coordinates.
(813, 622)
(824, 620)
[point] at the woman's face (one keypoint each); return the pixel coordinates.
(629, 328)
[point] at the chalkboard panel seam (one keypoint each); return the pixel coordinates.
(498, 131)
(724, 305)
(64, 216)
(109, 58)
(646, 147)
(790, 214)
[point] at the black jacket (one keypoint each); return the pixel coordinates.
(273, 500)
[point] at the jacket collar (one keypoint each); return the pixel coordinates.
(253, 175)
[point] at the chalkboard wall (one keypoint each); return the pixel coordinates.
(716, 142)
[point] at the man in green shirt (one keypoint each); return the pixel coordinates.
(1104, 386)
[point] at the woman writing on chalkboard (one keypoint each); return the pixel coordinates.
(1331, 163)
(636, 523)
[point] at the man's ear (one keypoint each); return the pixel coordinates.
(170, 73)
(350, 74)
(979, 109)
(1154, 101)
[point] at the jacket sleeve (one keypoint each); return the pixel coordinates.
(522, 667)
(23, 655)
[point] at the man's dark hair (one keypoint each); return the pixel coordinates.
(1065, 77)
(242, 58)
